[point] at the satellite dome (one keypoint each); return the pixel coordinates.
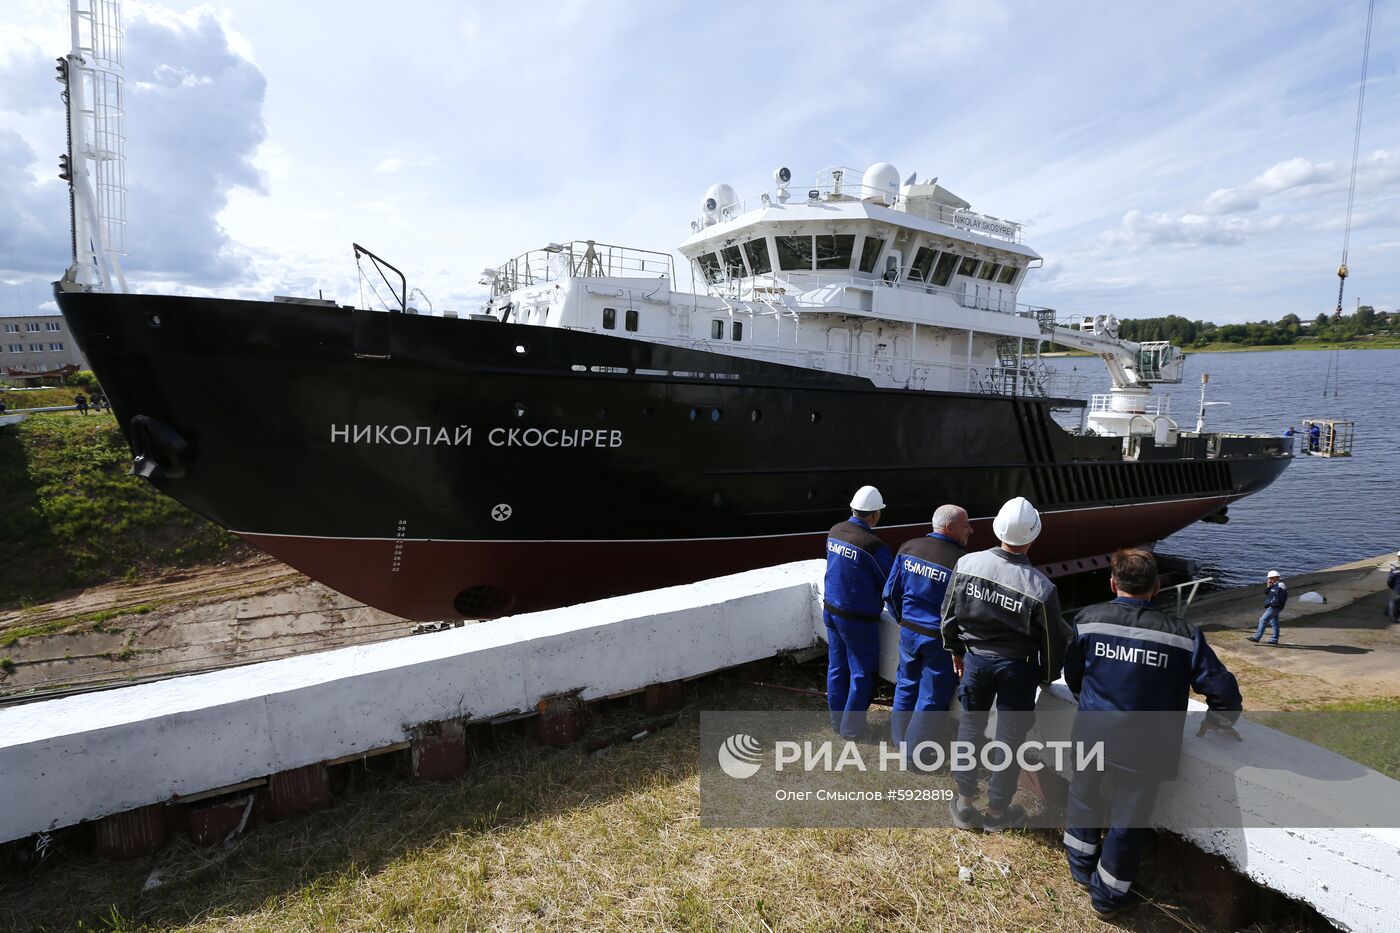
(881, 181)
(717, 198)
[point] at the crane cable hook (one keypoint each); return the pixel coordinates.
(1355, 155)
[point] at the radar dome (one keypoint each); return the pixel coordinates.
(881, 181)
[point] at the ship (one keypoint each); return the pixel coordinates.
(595, 430)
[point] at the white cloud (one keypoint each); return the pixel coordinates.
(394, 164)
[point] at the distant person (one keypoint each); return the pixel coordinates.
(915, 592)
(857, 565)
(1001, 623)
(1314, 437)
(1392, 581)
(81, 401)
(1128, 656)
(1275, 597)
(2, 407)
(1290, 432)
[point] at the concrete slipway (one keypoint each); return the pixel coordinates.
(98, 755)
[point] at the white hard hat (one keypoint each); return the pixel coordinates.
(1271, 574)
(1017, 523)
(867, 499)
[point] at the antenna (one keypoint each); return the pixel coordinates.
(95, 164)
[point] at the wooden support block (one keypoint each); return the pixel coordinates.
(133, 833)
(210, 823)
(560, 719)
(439, 751)
(292, 793)
(664, 698)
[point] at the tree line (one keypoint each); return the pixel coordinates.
(1364, 322)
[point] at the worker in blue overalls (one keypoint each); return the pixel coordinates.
(857, 564)
(914, 592)
(1128, 658)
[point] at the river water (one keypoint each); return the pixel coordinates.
(1321, 512)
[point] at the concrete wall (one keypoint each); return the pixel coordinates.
(87, 756)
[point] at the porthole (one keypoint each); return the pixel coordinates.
(695, 414)
(811, 495)
(602, 414)
(755, 416)
(648, 410)
(717, 500)
(815, 417)
(716, 414)
(521, 349)
(153, 320)
(519, 410)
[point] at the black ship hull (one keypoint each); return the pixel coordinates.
(440, 468)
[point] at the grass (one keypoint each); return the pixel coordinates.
(1304, 343)
(1366, 730)
(533, 838)
(41, 398)
(71, 516)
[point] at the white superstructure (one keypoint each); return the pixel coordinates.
(901, 283)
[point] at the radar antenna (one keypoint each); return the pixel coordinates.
(95, 164)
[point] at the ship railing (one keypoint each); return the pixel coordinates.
(845, 184)
(1029, 379)
(1151, 406)
(577, 258)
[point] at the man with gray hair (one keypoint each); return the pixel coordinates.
(914, 592)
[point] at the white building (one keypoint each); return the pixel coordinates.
(36, 342)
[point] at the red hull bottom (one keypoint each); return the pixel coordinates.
(430, 580)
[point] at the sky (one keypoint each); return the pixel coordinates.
(1186, 158)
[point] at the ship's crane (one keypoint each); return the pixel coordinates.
(1129, 407)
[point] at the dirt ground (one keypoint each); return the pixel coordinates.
(257, 609)
(233, 613)
(1341, 650)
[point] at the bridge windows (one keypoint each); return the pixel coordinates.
(969, 266)
(870, 253)
(834, 251)
(710, 268)
(1008, 275)
(922, 267)
(988, 271)
(756, 251)
(794, 253)
(733, 262)
(943, 271)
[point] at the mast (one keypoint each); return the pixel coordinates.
(95, 164)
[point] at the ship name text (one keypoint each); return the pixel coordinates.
(425, 435)
(931, 571)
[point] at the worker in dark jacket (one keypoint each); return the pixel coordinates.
(1275, 598)
(1002, 625)
(1392, 582)
(857, 564)
(1127, 658)
(914, 593)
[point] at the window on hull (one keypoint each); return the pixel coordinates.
(631, 319)
(737, 331)
(609, 319)
(716, 330)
